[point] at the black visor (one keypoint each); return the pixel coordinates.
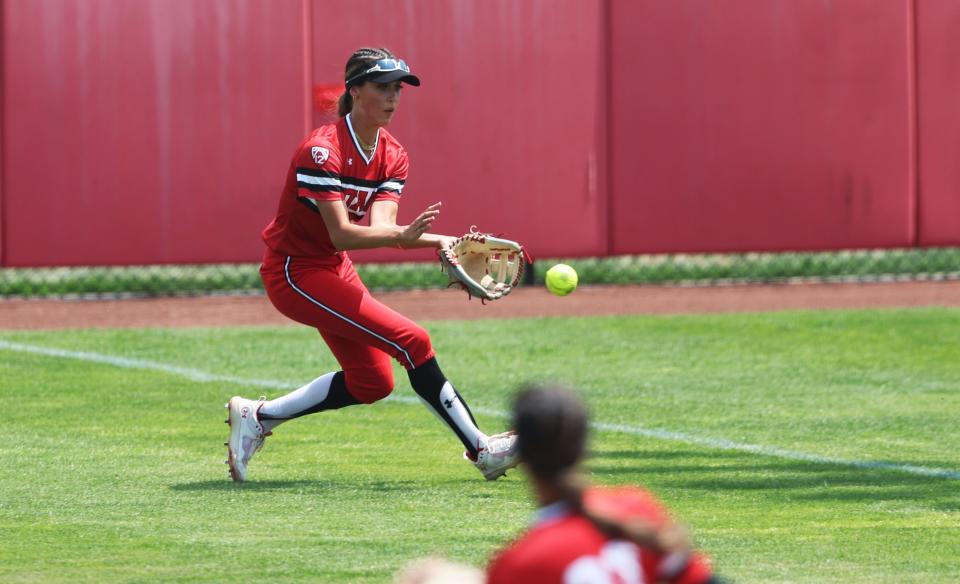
(389, 76)
(385, 71)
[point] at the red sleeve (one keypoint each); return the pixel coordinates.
(391, 188)
(509, 567)
(317, 165)
(497, 571)
(698, 571)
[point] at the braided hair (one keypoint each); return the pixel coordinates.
(358, 61)
(551, 426)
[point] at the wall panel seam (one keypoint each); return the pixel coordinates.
(913, 125)
(4, 255)
(307, 32)
(606, 119)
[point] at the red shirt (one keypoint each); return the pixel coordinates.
(329, 166)
(562, 548)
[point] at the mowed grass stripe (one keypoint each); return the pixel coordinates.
(655, 433)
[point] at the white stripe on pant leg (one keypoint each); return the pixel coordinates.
(286, 272)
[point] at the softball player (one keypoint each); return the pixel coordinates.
(342, 174)
(584, 534)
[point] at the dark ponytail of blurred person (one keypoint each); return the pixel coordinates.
(361, 59)
(551, 427)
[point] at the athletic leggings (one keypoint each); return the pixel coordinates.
(361, 332)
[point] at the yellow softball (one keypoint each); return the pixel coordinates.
(561, 279)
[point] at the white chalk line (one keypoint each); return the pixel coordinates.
(666, 435)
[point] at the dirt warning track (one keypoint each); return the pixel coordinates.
(209, 311)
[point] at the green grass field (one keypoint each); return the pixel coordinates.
(113, 470)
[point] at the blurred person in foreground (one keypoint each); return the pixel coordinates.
(582, 534)
(437, 570)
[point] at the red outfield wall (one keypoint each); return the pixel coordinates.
(760, 125)
(157, 132)
(938, 88)
(505, 129)
(147, 131)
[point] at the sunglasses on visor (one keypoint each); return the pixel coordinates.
(382, 66)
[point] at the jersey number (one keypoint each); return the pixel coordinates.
(618, 563)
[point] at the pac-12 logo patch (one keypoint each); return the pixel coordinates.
(319, 154)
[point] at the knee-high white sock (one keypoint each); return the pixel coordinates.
(451, 410)
(327, 392)
(442, 399)
(288, 406)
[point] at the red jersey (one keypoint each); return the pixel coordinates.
(563, 548)
(329, 166)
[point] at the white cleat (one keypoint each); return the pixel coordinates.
(246, 435)
(497, 456)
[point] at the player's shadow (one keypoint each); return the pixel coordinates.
(711, 471)
(642, 454)
(299, 485)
